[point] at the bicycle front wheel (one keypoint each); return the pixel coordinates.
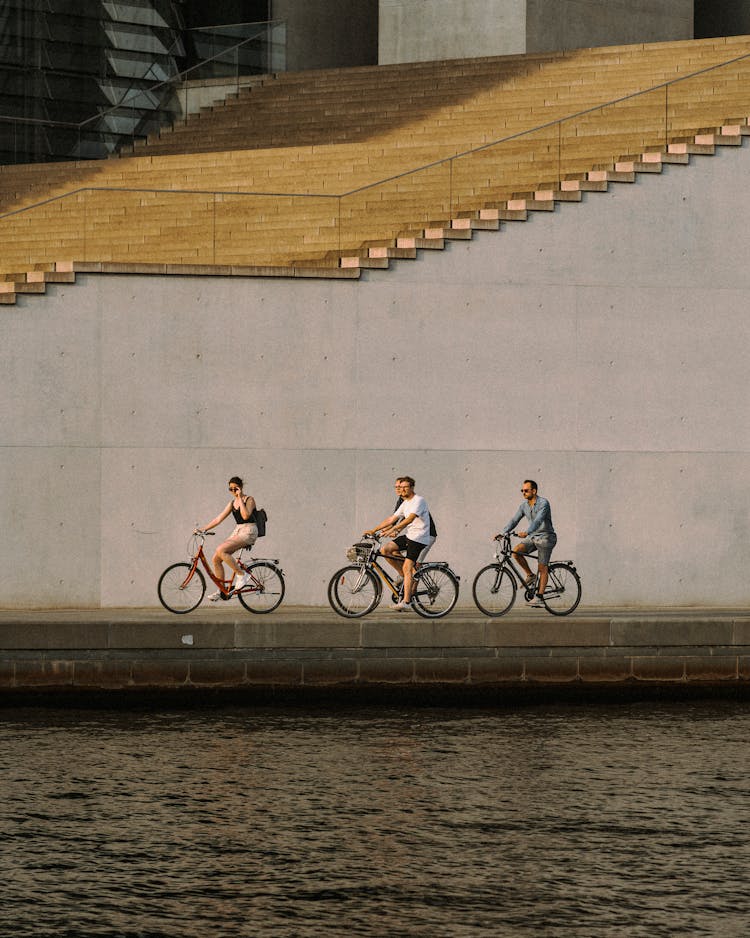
(435, 592)
(563, 592)
(267, 589)
(494, 590)
(354, 591)
(178, 590)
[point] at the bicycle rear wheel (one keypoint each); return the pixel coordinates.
(354, 591)
(178, 591)
(563, 592)
(435, 591)
(267, 589)
(494, 590)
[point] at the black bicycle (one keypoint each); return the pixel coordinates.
(496, 585)
(356, 589)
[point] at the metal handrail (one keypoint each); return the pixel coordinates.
(440, 162)
(559, 121)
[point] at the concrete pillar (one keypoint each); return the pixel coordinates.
(424, 30)
(578, 24)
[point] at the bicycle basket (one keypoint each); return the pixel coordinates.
(359, 552)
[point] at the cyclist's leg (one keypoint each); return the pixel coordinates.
(409, 567)
(227, 548)
(425, 551)
(393, 555)
(521, 548)
(414, 550)
(545, 544)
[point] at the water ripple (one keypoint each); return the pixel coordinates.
(591, 821)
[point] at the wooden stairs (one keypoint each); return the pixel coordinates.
(323, 174)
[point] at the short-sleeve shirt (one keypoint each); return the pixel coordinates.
(419, 528)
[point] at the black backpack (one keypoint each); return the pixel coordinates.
(259, 518)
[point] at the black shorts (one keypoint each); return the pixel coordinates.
(413, 549)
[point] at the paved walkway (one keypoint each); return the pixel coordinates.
(232, 612)
(229, 625)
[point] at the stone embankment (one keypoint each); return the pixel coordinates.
(310, 653)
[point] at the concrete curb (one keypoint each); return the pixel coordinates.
(307, 651)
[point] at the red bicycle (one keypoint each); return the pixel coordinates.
(182, 586)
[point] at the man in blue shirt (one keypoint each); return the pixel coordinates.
(539, 534)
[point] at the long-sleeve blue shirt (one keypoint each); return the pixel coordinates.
(539, 515)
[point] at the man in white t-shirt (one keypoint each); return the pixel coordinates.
(412, 517)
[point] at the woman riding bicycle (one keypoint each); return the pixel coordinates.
(245, 534)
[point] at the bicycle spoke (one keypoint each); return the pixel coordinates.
(435, 592)
(563, 592)
(494, 590)
(266, 591)
(354, 591)
(178, 591)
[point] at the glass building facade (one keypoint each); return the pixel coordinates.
(80, 77)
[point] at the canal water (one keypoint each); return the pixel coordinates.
(623, 820)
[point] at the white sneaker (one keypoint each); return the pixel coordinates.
(242, 581)
(536, 603)
(399, 607)
(215, 597)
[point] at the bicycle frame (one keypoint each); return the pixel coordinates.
(372, 562)
(224, 585)
(504, 556)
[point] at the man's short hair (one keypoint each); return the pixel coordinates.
(408, 479)
(532, 483)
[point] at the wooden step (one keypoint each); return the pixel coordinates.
(346, 129)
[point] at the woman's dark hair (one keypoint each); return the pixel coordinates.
(236, 480)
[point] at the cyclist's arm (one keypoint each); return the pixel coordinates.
(383, 525)
(513, 522)
(218, 519)
(403, 523)
(247, 507)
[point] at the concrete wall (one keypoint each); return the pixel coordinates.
(576, 24)
(601, 350)
(329, 33)
(422, 30)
